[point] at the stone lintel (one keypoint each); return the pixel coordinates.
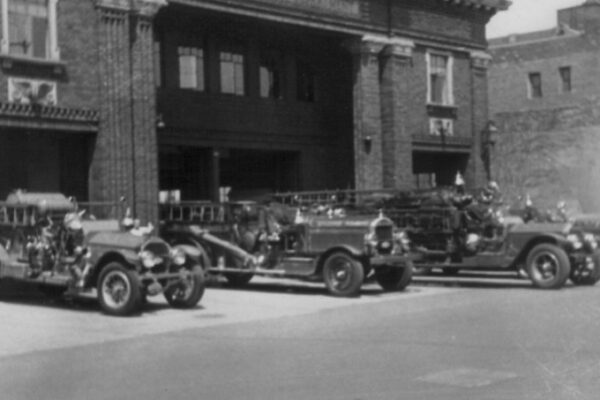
(480, 59)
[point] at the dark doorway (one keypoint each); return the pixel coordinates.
(432, 169)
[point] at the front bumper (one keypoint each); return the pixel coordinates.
(399, 261)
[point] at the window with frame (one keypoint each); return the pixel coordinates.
(535, 85)
(232, 70)
(29, 28)
(191, 68)
(439, 69)
(271, 74)
(305, 82)
(565, 79)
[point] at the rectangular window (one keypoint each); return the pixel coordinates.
(565, 79)
(439, 69)
(232, 73)
(535, 85)
(28, 28)
(191, 68)
(305, 82)
(271, 73)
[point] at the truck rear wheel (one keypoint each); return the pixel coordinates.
(548, 266)
(343, 275)
(588, 273)
(188, 292)
(119, 290)
(393, 278)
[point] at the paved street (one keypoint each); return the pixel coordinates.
(450, 338)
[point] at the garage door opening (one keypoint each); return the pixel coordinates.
(253, 174)
(433, 169)
(198, 173)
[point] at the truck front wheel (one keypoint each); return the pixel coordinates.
(188, 292)
(548, 266)
(343, 275)
(119, 290)
(588, 273)
(393, 278)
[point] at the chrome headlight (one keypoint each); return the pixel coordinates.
(575, 241)
(149, 260)
(590, 240)
(402, 239)
(178, 256)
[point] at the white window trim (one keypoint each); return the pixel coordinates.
(52, 30)
(450, 68)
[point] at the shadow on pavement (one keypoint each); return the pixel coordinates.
(474, 279)
(22, 293)
(291, 287)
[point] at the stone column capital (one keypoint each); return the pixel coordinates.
(399, 47)
(480, 59)
(147, 8)
(366, 45)
(117, 5)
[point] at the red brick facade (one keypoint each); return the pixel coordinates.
(351, 109)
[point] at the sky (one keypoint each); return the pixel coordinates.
(527, 16)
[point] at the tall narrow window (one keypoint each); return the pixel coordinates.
(439, 68)
(305, 82)
(271, 73)
(565, 79)
(157, 64)
(535, 85)
(191, 68)
(29, 28)
(232, 72)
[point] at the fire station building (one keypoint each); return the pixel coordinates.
(107, 98)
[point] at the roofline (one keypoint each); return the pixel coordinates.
(568, 35)
(497, 5)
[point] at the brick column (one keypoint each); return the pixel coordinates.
(475, 174)
(144, 109)
(368, 168)
(396, 61)
(125, 161)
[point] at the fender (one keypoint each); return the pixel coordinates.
(196, 252)
(352, 250)
(130, 257)
(552, 238)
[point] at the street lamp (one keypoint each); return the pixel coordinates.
(488, 140)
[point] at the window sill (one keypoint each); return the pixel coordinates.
(33, 66)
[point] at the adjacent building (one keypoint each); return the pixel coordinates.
(108, 98)
(545, 98)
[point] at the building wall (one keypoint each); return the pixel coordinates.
(548, 146)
